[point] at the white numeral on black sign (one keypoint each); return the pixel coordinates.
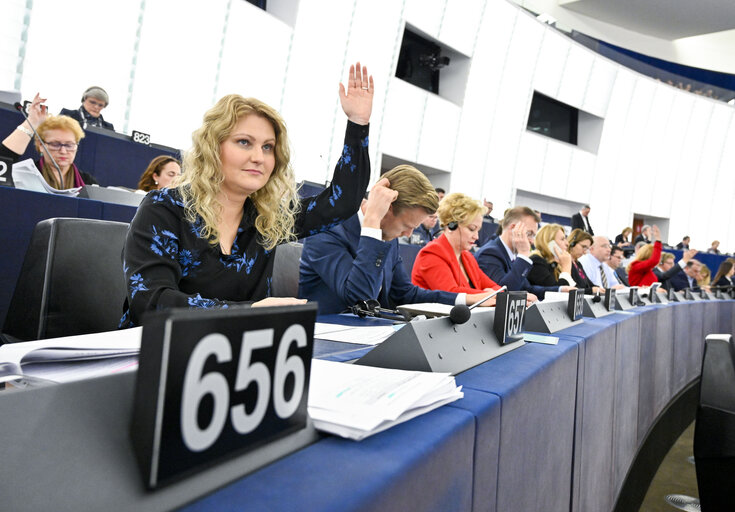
(515, 316)
(3, 171)
(197, 386)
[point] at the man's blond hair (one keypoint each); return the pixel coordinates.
(414, 189)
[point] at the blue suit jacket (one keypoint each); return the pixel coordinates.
(679, 281)
(340, 268)
(495, 262)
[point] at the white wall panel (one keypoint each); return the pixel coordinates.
(243, 71)
(438, 133)
(530, 163)
(176, 69)
(426, 15)
(556, 169)
(404, 110)
(11, 28)
(579, 179)
(317, 63)
(723, 191)
(553, 53)
(655, 165)
(460, 23)
(599, 88)
(576, 76)
(63, 72)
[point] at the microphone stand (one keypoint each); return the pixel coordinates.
(19, 108)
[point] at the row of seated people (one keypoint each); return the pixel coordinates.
(623, 240)
(62, 135)
(208, 242)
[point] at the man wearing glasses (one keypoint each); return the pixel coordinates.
(595, 265)
(507, 258)
(89, 113)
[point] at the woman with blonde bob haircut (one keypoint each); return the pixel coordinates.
(208, 243)
(446, 263)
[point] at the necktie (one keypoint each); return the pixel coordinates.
(603, 277)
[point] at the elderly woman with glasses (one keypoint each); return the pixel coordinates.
(61, 135)
(89, 113)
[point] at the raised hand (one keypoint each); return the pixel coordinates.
(519, 239)
(656, 233)
(357, 100)
(37, 112)
(688, 255)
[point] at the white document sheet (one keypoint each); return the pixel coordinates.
(368, 335)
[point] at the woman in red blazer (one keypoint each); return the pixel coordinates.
(640, 270)
(446, 263)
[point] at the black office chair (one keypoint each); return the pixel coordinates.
(714, 432)
(71, 281)
(286, 270)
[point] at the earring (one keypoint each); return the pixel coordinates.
(154, 181)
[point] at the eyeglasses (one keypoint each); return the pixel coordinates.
(57, 146)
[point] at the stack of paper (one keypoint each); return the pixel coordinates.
(356, 401)
(364, 335)
(72, 357)
(27, 177)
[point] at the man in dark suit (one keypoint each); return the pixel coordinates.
(688, 278)
(359, 259)
(684, 244)
(666, 269)
(89, 112)
(581, 221)
(506, 259)
(489, 206)
(427, 231)
(644, 236)
(614, 262)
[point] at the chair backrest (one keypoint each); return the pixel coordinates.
(71, 281)
(286, 270)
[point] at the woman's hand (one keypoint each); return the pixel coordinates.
(565, 261)
(656, 233)
(36, 111)
(598, 289)
(278, 301)
(357, 101)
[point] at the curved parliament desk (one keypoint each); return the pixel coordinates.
(553, 427)
(544, 427)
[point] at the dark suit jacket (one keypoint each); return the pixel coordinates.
(723, 281)
(665, 277)
(583, 282)
(641, 238)
(76, 114)
(339, 268)
(622, 275)
(495, 262)
(578, 223)
(542, 273)
(680, 280)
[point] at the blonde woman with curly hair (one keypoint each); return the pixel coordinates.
(61, 135)
(447, 263)
(208, 243)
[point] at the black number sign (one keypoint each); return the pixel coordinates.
(609, 300)
(6, 172)
(510, 310)
(214, 383)
(575, 306)
(141, 138)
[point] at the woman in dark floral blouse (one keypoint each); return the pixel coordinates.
(209, 242)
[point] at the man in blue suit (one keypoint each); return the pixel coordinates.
(359, 259)
(506, 259)
(688, 278)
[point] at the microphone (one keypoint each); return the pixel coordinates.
(19, 107)
(459, 314)
(597, 298)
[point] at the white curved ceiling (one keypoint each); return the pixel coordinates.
(665, 19)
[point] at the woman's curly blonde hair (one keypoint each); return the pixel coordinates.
(459, 208)
(277, 203)
(544, 236)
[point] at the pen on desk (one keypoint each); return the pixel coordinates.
(489, 296)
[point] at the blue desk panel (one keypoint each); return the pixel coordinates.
(425, 464)
(21, 210)
(537, 387)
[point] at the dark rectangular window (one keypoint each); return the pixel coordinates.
(553, 118)
(420, 61)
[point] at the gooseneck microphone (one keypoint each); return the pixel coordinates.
(19, 107)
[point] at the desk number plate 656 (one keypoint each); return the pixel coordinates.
(214, 383)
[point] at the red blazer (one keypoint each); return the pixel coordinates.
(436, 268)
(641, 272)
